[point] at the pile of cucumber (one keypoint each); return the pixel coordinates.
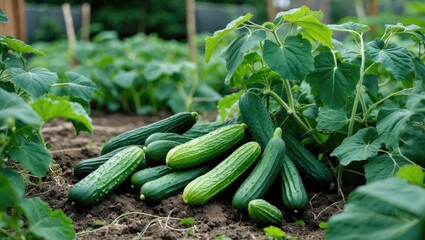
(177, 154)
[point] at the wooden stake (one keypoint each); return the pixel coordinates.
(271, 10)
(15, 11)
(191, 29)
(70, 32)
(85, 21)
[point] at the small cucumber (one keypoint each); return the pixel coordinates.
(148, 174)
(264, 214)
(294, 195)
(306, 162)
(264, 173)
(170, 184)
(205, 187)
(255, 115)
(98, 184)
(178, 123)
(204, 148)
(167, 136)
(156, 152)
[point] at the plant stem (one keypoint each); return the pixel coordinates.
(358, 89)
(136, 98)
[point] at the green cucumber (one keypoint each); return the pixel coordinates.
(178, 123)
(264, 173)
(264, 214)
(148, 174)
(306, 162)
(204, 148)
(167, 136)
(86, 166)
(205, 187)
(200, 129)
(98, 184)
(157, 151)
(256, 117)
(294, 195)
(170, 184)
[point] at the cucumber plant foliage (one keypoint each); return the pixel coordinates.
(28, 99)
(353, 97)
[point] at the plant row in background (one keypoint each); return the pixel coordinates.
(142, 74)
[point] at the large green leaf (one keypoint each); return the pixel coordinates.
(412, 139)
(12, 60)
(293, 60)
(351, 27)
(234, 53)
(155, 69)
(33, 156)
(228, 103)
(391, 122)
(361, 146)
(211, 42)
(50, 107)
(12, 188)
(331, 119)
(383, 210)
(333, 84)
(395, 59)
(419, 69)
(125, 79)
(311, 27)
(80, 86)
(45, 223)
(413, 174)
(20, 47)
(11, 105)
(383, 167)
(35, 82)
(237, 79)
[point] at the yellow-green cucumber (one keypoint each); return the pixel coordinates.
(205, 187)
(98, 184)
(148, 174)
(264, 213)
(156, 151)
(294, 195)
(264, 173)
(205, 148)
(170, 184)
(177, 123)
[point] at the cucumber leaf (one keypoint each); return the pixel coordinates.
(412, 139)
(293, 60)
(227, 103)
(331, 119)
(212, 42)
(11, 105)
(391, 122)
(80, 86)
(20, 47)
(361, 146)
(234, 53)
(50, 107)
(381, 210)
(333, 84)
(45, 223)
(33, 156)
(412, 173)
(351, 27)
(35, 82)
(395, 59)
(383, 167)
(12, 188)
(125, 79)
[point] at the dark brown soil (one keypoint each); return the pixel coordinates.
(122, 215)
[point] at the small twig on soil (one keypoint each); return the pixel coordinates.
(311, 200)
(324, 210)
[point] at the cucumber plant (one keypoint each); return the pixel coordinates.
(28, 99)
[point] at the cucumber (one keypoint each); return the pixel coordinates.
(157, 151)
(148, 174)
(264, 214)
(167, 136)
(294, 195)
(200, 129)
(256, 117)
(306, 162)
(98, 184)
(205, 187)
(204, 148)
(170, 184)
(264, 173)
(86, 166)
(178, 123)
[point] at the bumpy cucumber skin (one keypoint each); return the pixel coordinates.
(98, 184)
(264, 213)
(167, 136)
(256, 117)
(264, 173)
(205, 148)
(148, 174)
(156, 152)
(170, 184)
(307, 162)
(205, 187)
(178, 123)
(200, 129)
(294, 195)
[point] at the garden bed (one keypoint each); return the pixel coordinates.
(123, 215)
